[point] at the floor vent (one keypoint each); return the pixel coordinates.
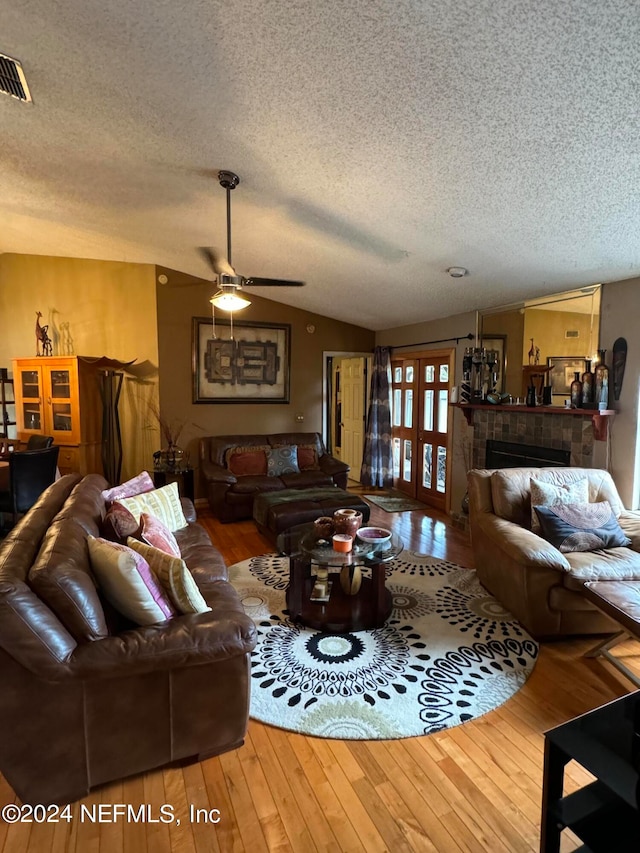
(12, 79)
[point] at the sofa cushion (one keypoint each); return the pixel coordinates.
(307, 480)
(164, 503)
(609, 564)
(252, 485)
(128, 582)
(282, 460)
(174, 576)
(142, 482)
(552, 494)
(247, 461)
(581, 527)
(158, 535)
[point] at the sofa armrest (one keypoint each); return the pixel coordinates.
(330, 465)
(216, 473)
(522, 545)
(189, 640)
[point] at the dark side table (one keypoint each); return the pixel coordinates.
(605, 813)
(182, 476)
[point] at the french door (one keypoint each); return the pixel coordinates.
(421, 427)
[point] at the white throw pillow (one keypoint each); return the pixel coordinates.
(551, 494)
(128, 582)
(174, 576)
(164, 503)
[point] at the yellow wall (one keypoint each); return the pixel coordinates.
(547, 328)
(92, 308)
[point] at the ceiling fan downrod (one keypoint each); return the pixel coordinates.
(228, 181)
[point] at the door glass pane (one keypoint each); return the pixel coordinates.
(408, 407)
(396, 458)
(31, 416)
(397, 406)
(444, 373)
(443, 410)
(60, 384)
(406, 462)
(397, 374)
(61, 417)
(441, 473)
(429, 373)
(427, 465)
(30, 386)
(428, 410)
(408, 373)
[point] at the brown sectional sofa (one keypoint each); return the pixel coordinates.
(541, 586)
(88, 698)
(231, 495)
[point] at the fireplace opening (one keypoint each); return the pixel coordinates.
(507, 454)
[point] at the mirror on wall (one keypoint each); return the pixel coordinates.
(552, 333)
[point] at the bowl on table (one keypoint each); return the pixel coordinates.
(374, 535)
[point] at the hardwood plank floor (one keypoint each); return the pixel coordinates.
(473, 788)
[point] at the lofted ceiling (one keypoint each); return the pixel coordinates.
(378, 143)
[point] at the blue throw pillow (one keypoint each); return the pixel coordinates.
(282, 460)
(581, 527)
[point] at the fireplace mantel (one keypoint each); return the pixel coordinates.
(599, 419)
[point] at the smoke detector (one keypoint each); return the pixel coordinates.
(457, 272)
(12, 79)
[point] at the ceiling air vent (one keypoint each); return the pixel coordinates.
(12, 79)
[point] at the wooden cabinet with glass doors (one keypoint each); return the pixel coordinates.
(60, 396)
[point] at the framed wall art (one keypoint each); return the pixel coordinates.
(251, 367)
(562, 373)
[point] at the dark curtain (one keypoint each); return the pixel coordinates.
(377, 460)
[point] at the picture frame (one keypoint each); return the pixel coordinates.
(499, 344)
(251, 367)
(562, 373)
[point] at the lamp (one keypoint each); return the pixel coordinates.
(228, 299)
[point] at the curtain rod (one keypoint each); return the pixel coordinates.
(468, 337)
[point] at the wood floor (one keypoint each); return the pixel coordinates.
(475, 787)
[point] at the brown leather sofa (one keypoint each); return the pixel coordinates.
(231, 497)
(541, 586)
(88, 698)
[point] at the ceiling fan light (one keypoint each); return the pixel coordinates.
(229, 301)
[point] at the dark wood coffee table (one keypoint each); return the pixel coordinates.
(338, 612)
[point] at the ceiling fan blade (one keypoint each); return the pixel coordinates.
(271, 282)
(218, 264)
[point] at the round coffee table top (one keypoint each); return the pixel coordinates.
(302, 541)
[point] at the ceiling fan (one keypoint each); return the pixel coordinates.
(229, 297)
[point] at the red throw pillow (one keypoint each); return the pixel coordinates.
(308, 457)
(119, 523)
(247, 461)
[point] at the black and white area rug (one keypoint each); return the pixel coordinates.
(448, 653)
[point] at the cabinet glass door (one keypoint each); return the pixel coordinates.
(61, 412)
(31, 395)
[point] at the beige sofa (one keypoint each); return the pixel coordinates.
(540, 585)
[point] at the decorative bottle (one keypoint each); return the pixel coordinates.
(601, 381)
(531, 396)
(587, 384)
(576, 391)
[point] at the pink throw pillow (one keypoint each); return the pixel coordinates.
(158, 535)
(135, 486)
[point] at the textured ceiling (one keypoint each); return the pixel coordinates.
(378, 143)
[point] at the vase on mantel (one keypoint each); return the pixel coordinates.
(587, 384)
(601, 381)
(576, 391)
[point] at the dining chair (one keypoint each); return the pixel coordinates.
(39, 442)
(30, 473)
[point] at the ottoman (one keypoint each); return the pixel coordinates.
(274, 512)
